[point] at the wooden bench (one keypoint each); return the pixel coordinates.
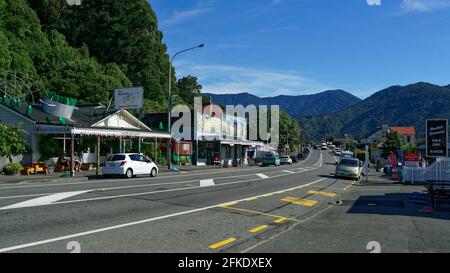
(27, 171)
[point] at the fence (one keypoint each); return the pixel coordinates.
(438, 171)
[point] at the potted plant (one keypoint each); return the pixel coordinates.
(13, 168)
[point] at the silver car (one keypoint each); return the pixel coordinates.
(349, 168)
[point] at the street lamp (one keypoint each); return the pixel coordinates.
(170, 98)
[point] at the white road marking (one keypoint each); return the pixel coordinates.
(263, 176)
(56, 239)
(207, 183)
(45, 200)
(162, 191)
(286, 171)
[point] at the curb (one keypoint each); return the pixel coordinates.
(54, 180)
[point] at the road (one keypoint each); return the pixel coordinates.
(227, 210)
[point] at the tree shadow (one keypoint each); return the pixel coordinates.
(404, 204)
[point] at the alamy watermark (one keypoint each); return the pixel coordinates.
(235, 122)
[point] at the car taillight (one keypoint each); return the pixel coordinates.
(123, 163)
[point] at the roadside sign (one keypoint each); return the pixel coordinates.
(129, 98)
(437, 137)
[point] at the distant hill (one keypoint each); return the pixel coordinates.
(296, 106)
(407, 105)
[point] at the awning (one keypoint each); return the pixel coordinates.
(242, 142)
(62, 129)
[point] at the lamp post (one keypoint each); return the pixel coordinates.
(169, 157)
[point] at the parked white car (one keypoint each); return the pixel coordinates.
(285, 159)
(129, 165)
(349, 168)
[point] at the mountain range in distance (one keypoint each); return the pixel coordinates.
(296, 106)
(336, 113)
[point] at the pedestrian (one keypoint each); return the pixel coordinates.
(377, 163)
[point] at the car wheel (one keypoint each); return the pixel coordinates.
(153, 173)
(129, 173)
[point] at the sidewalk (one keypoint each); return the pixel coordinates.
(91, 175)
(379, 211)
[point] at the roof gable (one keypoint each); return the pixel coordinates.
(121, 119)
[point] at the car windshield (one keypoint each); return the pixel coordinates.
(349, 163)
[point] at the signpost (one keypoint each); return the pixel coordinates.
(129, 98)
(437, 137)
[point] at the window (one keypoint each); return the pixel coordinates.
(135, 157)
(117, 158)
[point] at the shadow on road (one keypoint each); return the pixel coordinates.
(403, 204)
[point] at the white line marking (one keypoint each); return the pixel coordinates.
(263, 176)
(56, 239)
(207, 183)
(286, 171)
(45, 200)
(161, 191)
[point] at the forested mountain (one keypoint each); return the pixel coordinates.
(297, 106)
(45, 61)
(407, 105)
(121, 32)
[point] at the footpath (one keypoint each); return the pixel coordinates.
(377, 215)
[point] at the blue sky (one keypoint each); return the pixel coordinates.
(294, 47)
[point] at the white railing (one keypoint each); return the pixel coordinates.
(438, 171)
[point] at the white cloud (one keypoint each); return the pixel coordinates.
(184, 15)
(423, 5)
(222, 79)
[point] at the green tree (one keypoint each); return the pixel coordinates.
(393, 142)
(12, 141)
(188, 88)
(121, 32)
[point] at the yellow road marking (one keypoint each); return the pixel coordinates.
(261, 213)
(256, 229)
(280, 220)
(251, 199)
(301, 202)
(329, 194)
(222, 243)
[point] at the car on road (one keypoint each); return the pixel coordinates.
(349, 168)
(301, 156)
(294, 159)
(285, 159)
(129, 165)
(270, 158)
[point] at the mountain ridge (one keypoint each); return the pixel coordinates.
(325, 102)
(408, 105)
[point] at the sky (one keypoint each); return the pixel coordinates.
(297, 47)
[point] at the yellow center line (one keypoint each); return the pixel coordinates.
(256, 229)
(279, 220)
(260, 213)
(222, 243)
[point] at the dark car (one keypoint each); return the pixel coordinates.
(301, 157)
(294, 159)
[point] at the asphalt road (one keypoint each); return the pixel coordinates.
(226, 210)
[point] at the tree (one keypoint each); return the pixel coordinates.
(393, 142)
(12, 141)
(188, 88)
(121, 32)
